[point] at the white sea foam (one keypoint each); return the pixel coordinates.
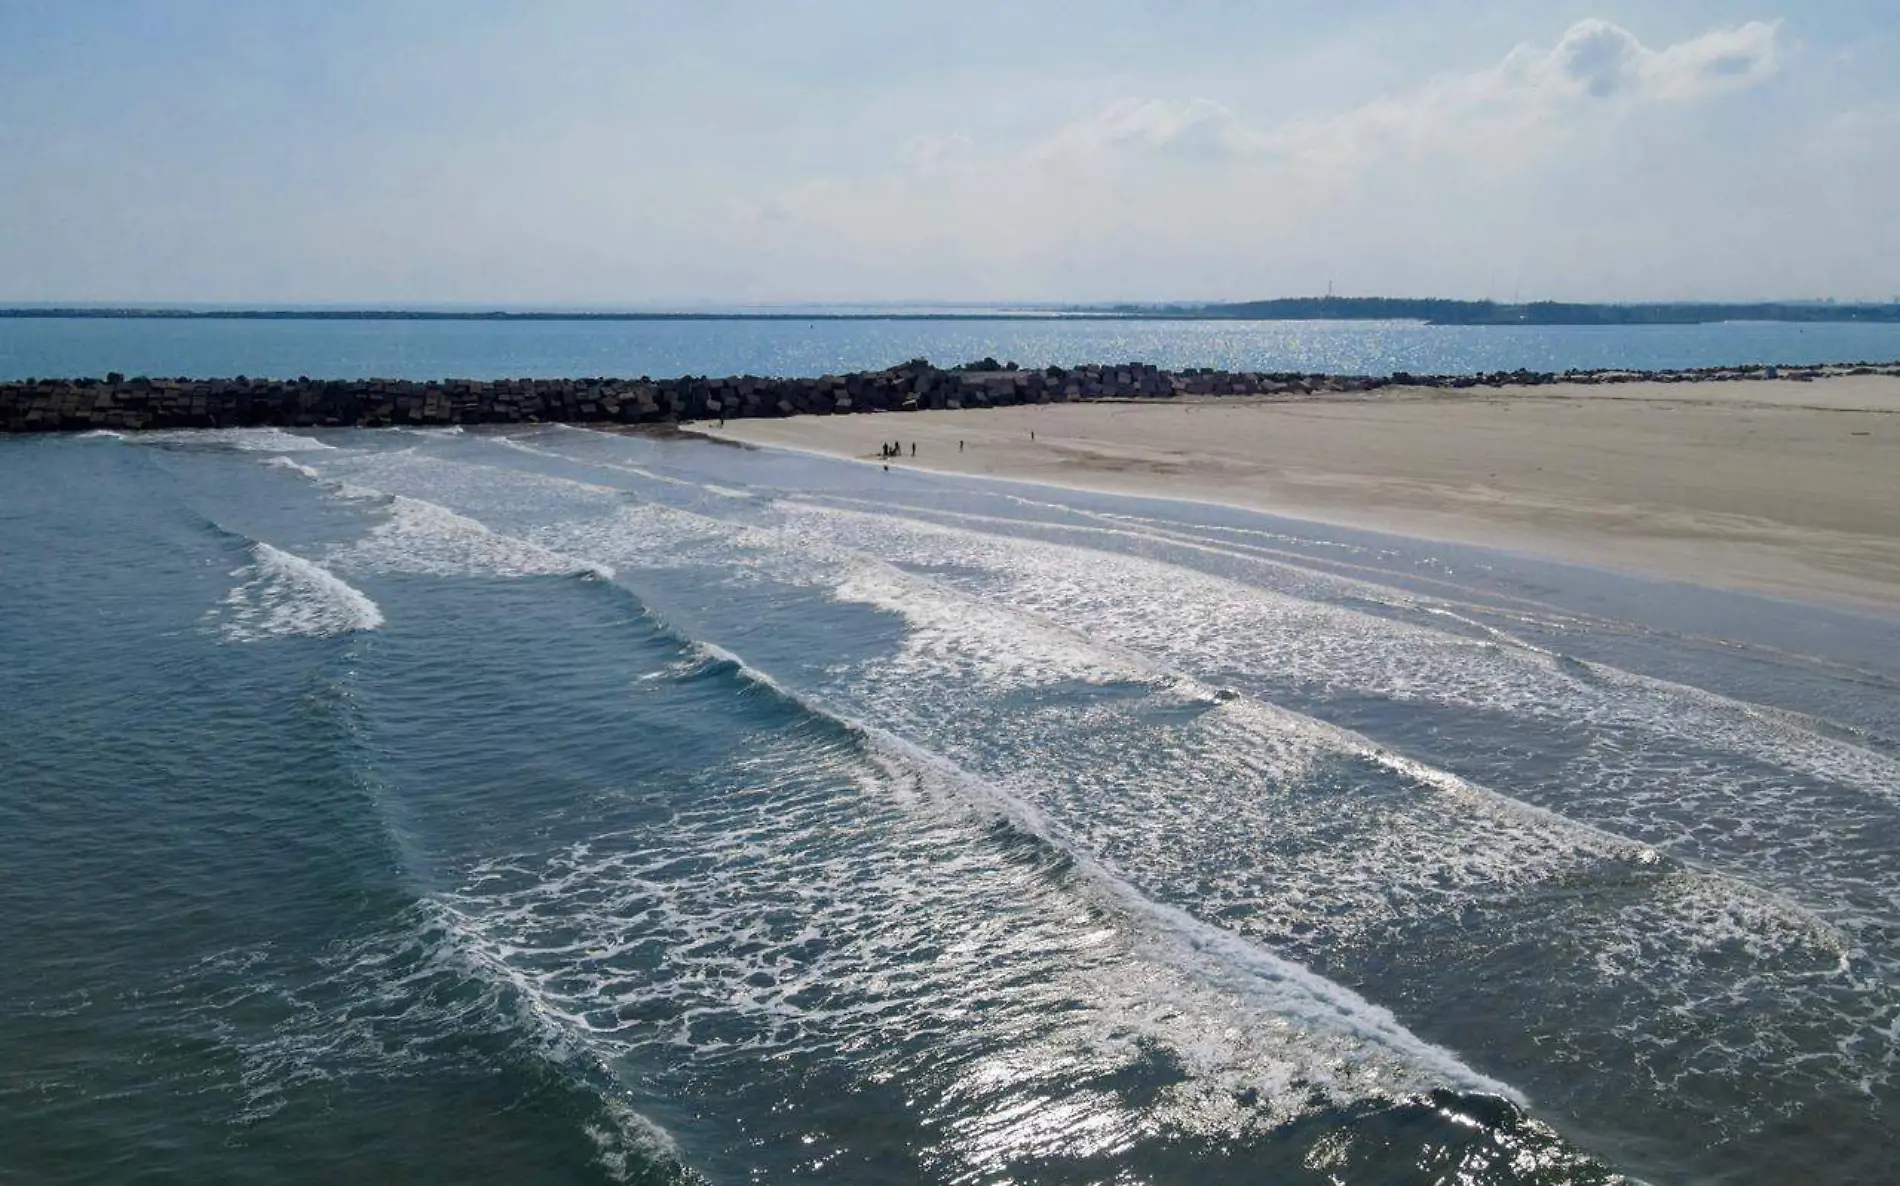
(1791, 905)
(1457, 845)
(955, 639)
(1009, 647)
(623, 467)
(295, 467)
(429, 539)
(1461, 835)
(1095, 686)
(1279, 989)
(1215, 622)
(281, 595)
(246, 440)
(1085, 695)
(759, 927)
(384, 1002)
(351, 492)
(780, 944)
(1019, 617)
(1298, 573)
(948, 630)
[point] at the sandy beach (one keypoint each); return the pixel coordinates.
(1787, 488)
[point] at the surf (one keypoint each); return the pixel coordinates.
(281, 595)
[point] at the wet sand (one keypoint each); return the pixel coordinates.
(1787, 488)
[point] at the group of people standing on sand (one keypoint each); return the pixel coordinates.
(890, 449)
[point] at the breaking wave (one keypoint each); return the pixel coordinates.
(280, 595)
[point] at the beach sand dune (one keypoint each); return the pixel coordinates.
(1788, 488)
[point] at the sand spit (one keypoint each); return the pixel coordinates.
(1789, 487)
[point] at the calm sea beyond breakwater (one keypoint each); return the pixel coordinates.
(792, 348)
(474, 799)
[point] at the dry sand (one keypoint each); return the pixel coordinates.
(1787, 488)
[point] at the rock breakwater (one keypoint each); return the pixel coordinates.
(121, 403)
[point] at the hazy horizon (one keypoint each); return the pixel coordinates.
(663, 307)
(584, 155)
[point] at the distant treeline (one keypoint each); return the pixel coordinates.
(1433, 311)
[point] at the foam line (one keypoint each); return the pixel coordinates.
(663, 536)
(282, 595)
(520, 446)
(1465, 678)
(1295, 731)
(1220, 958)
(295, 467)
(856, 576)
(244, 440)
(429, 539)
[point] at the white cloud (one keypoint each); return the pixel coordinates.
(1189, 129)
(934, 154)
(1595, 65)
(1720, 61)
(1598, 60)
(1187, 197)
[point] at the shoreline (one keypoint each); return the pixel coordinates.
(1781, 489)
(142, 402)
(1771, 479)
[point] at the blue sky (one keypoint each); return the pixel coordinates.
(417, 151)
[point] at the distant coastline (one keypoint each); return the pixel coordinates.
(1428, 311)
(1449, 312)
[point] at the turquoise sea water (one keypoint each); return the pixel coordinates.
(559, 806)
(43, 348)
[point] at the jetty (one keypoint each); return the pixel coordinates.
(135, 403)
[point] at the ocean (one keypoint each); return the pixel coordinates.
(69, 347)
(551, 805)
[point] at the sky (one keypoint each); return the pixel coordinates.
(628, 154)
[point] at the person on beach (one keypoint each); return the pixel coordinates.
(959, 446)
(913, 448)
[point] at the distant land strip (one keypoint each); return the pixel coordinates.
(118, 403)
(1430, 311)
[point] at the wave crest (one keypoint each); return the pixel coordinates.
(282, 596)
